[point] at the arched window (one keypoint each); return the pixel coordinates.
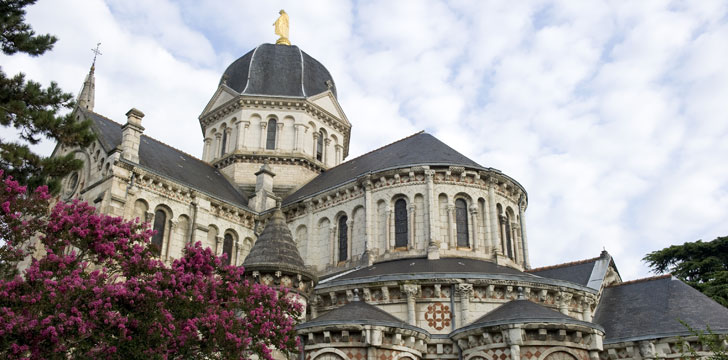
(270, 141)
(320, 146)
(343, 239)
(400, 224)
(461, 222)
(160, 219)
(224, 142)
(227, 248)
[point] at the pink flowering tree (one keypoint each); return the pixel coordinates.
(95, 290)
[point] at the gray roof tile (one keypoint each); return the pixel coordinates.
(577, 272)
(418, 149)
(653, 308)
(169, 162)
(275, 249)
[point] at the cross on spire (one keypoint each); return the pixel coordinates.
(96, 53)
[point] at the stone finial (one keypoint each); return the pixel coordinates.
(134, 117)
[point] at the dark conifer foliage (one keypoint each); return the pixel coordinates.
(36, 112)
(703, 265)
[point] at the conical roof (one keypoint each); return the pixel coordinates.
(275, 249)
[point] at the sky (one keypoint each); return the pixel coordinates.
(612, 115)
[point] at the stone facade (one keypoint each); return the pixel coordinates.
(460, 224)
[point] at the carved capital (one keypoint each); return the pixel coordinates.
(411, 290)
(464, 290)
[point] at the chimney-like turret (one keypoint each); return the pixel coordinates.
(264, 198)
(131, 133)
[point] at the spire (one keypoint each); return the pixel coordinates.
(86, 96)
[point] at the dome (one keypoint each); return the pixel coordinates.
(278, 70)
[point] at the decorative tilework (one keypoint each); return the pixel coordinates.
(438, 315)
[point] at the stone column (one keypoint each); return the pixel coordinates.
(172, 227)
(279, 131)
(474, 228)
(327, 141)
(411, 290)
(339, 154)
(206, 149)
(431, 213)
(296, 137)
(524, 241)
(564, 299)
(451, 230)
(241, 126)
(228, 131)
(332, 241)
(349, 236)
(389, 227)
(218, 144)
(411, 227)
(263, 125)
(369, 227)
(494, 238)
(586, 314)
(309, 221)
(316, 135)
(465, 291)
(236, 252)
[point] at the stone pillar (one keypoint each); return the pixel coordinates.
(263, 125)
(206, 149)
(228, 131)
(339, 154)
(218, 248)
(316, 135)
(411, 227)
(308, 204)
(369, 226)
(431, 213)
(564, 300)
(279, 131)
(451, 230)
(218, 144)
(332, 241)
(236, 253)
(349, 237)
(586, 314)
(524, 241)
(465, 291)
(474, 228)
(327, 141)
(495, 239)
(242, 127)
(390, 228)
(411, 290)
(131, 133)
(172, 227)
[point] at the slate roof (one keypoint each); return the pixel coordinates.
(358, 312)
(418, 149)
(166, 161)
(651, 308)
(523, 311)
(577, 272)
(277, 70)
(275, 249)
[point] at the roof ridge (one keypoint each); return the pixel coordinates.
(637, 281)
(557, 266)
(380, 148)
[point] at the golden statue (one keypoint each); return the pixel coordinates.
(281, 28)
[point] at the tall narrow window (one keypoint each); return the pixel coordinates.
(320, 146)
(461, 222)
(160, 219)
(224, 142)
(227, 248)
(400, 224)
(343, 238)
(270, 141)
(509, 242)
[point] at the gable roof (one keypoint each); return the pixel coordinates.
(653, 308)
(166, 161)
(418, 149)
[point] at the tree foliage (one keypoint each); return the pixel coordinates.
(708, 342)
(95, 290)
(703, 265)
(33, 110)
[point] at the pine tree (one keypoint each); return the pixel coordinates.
(33, 110)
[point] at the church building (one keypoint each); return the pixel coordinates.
(410, 251)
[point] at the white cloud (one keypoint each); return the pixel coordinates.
(612, 115)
